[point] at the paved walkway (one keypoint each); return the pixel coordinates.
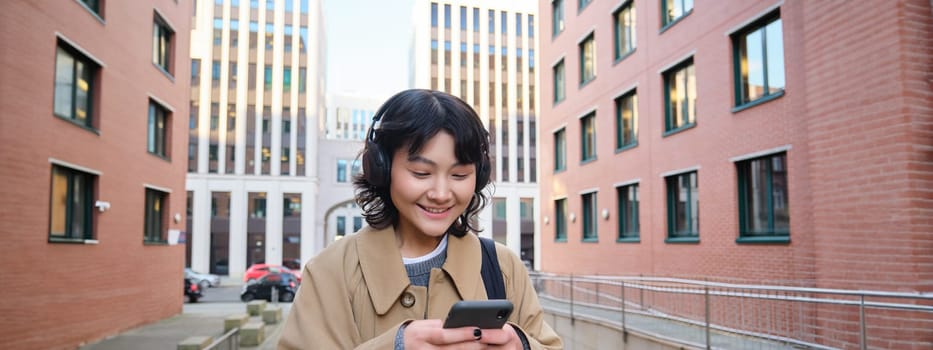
(195, 320)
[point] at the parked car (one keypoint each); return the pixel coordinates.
(192, 291)
(285, 282)
(256, 271)
(204, 280)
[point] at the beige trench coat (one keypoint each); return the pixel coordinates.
(351, 294)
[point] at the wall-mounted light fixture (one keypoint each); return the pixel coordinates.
(573, 217)
(177, 217)
(102, 206)
(547, 220)
(605, 214)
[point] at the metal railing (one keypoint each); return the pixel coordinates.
(742, 316)
(227, 341)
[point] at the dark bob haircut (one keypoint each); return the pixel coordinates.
(410, 119)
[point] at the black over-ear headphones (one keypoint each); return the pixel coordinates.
(376, 164)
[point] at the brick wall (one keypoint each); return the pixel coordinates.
(60, 295)
(855, 115)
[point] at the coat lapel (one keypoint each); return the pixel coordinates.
(382, 267)
(464, 260)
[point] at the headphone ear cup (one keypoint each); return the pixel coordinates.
(375, 165)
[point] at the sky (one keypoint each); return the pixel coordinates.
(367, 46)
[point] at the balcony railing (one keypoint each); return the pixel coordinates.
(709, 315)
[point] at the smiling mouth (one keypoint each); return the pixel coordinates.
(434, 210)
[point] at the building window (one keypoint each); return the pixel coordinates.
(195, 71)
(588, 137)
(560, 220)
(589, 217)
(95, 6)
(673, 10)
(162, 44)
(446, 16)
(155, 216)
(560, 150)
(75, 85)
(680, 97)
(581, 4)
(341, 225)
(357, 223)
(759, 60)
(559, 90)
(763, 211)
(341, 170)
(72, 204)
(683, 208)
(499, 209)
(433, 15)
(627, 121)
(158, 129)
(624, 19)
(587, 59)
(628, 213)
(557, 10)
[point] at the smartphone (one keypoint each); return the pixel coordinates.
(485, 314)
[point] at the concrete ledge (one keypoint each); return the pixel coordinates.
(235, 321)
(252, 333)
(272, 314)
(255, 307)
(195, 343)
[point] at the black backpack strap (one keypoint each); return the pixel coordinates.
(492, 275)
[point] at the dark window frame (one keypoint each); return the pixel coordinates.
(740, 54)
(560, 86)
(632, 135)
(95, 7)
(163, 45)
(157, 140)
(589, 220)
(672, 185)
(557, 18)
(560, 150)
(672, 126)
(588, 138)
(589, 39)
(78, 202)
(628, 209)
(79, 63)
(618, 31)
(560, 220)
(668, 21)
(156, 217)
(772, 233)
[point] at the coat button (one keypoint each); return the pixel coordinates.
(408, 299)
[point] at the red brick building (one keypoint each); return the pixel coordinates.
(92, 142)
(785, 142)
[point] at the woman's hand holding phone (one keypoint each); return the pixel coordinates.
(430, 334)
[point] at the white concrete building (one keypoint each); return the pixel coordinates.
(348, 118)
(257, 99)
(484, 51)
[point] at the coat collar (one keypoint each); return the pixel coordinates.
(385, 275)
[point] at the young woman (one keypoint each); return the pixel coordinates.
(425, 166)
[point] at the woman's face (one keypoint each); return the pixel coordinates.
(430, 189)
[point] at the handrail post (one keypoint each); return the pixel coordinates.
(641, 293)
(572, 318)
(624, 330)
(863, 343)
(706, 297)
